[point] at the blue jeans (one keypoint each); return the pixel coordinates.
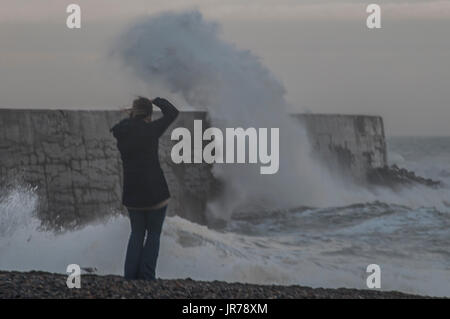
(140, 261)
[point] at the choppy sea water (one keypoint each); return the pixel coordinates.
(406, 233)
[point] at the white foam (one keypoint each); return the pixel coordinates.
(191, 250)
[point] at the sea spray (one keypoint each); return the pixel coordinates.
(311, 251)
(17, 205)
(184, 53)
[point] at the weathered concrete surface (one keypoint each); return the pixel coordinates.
(72, 158)
(348, 144)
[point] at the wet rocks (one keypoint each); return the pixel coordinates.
(394, 177)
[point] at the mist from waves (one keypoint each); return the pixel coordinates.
(184, 54)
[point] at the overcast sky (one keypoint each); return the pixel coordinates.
(321, 50)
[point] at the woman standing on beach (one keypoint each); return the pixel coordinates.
(145, 191)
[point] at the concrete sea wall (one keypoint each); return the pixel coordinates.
(72, 160)
(350, 145)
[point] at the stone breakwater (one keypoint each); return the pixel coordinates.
(350, 145)
(71, 159)
(48, 285)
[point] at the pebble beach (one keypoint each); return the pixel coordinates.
(44, 285)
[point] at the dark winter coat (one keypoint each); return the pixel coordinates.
(144, 184)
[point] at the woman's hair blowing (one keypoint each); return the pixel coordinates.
(142, 106)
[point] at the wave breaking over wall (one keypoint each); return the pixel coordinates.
(184, 54)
